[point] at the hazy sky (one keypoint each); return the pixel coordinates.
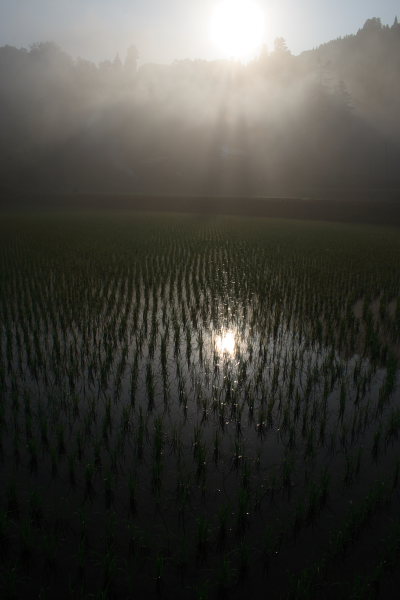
(164, 30)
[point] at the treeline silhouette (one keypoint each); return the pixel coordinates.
(324, 120)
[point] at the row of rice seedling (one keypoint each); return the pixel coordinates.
(206, 394)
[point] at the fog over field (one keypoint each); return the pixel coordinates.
(199, 300)
(276, 124)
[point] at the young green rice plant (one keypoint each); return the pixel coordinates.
(97, 454)
(36, 508)
(107, 415)
(246, 472)
(60, 439)
(299, 518)
(10, 578)
(343, 436)
(4, 534)
(140, 435)
(109, 485)
(223, 515)
(109, 564)
(393, 426)
(26, 540)
(54, 456)
(110, 531)
(183, 494)
(244, 559)
(243, 512)
(49, 547)
(150, 388)
(313, 504)
(16, 447)
(310, 451)
(262, 420)
(33, 455)
(204, 406)
(303, 586)
(202, 591)
(182, 557)
(156, 479)
(134, 539)
(71, 469)
(126, 425)
(342, 401)
(358, 462)
(79, 446)
(226, 577)
(363, 586)
(287, 473)
(12, 499)
(396, 475)
(324, 486)
(134, 379)
(123, 303)
(115, 454)
(271, 544)
(75, 407)
(202, 536)
(88, 423)
(158, 443)
(89, 477)
(44, 436)
(201, 460)
(160, 571)
(132, 494)
(237, 453)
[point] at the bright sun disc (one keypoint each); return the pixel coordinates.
(237, 28)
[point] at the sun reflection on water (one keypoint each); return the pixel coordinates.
(225, 343)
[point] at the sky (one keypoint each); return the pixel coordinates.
(168, 30)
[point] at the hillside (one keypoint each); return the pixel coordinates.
(296, 125)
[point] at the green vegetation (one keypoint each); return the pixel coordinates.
(192, 408)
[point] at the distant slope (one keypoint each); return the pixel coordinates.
(325, 120)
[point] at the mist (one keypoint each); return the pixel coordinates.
(278, 125)
(199, 303)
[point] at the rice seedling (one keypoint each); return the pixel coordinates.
(36, 508)
(227, 387)
(9, 583)
(226, 576)
(26, 541)
(12, 499)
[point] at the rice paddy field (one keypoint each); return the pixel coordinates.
(198, 408)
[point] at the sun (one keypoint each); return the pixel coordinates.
(237, 28)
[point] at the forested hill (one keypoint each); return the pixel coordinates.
(367, 67)
(327, 119)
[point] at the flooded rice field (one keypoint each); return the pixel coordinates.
(198, 408)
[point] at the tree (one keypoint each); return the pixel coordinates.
(264, 53)
(117, 64)
(372, 25)
(50, 55)
(131, 60)
(343, 96)
(280, 47)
